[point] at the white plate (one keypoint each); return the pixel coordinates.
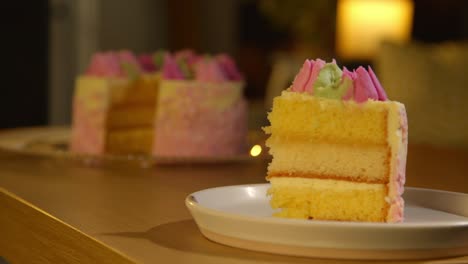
(53, 141)
(436, 225)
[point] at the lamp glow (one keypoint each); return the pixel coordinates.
(255, 150)
(363, 24)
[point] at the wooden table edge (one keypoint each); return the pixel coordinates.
(29, 234)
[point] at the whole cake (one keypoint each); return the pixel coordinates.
(338, 146)
(161, 104)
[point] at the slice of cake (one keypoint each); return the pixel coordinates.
(338, 146)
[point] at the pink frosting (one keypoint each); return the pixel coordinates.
(109, 64)
(180, 65)
(126, 56)
(187, 55)
(318, 65)
(88, 125)
(363, 87)
(350, 76)
(397, 181)
(303, 77)
(208, 70)
(190, 126)
(104, 64)
(146, 62)
(170, 68)
(364, 83)
(380, 90)
(229, 68)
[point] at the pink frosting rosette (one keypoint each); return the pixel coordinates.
(361, 84)
(113, 64)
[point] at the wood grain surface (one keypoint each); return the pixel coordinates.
(30, 235)
(95, 212)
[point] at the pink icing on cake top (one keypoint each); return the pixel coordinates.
(187, 65)
(380, 90)
(348, 75)
(317, 66)
(364, 84)
(126, 56)
(187, 55)
(113, 64)
(104, 64)
(170, 69)
(181, 65)
(208, 70)
(303, 77)
(363, 87)
(229, 68)
(146, 62)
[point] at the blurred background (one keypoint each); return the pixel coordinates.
(417, 47)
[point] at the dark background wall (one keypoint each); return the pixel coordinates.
(24, 53)
(25, 28)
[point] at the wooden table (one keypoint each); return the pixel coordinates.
(60, 211)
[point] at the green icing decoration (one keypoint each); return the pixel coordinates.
(329, 82)
(130, 70)
(184, 68)
(158, 58)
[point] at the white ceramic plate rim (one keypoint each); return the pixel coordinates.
(230, 217)
(192, 203)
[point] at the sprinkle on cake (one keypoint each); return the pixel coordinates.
(338, 145)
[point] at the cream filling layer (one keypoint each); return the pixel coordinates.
(323, 184)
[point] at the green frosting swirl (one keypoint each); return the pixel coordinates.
(130, 70)
(184, 68)
(329, 82)
(158, 58)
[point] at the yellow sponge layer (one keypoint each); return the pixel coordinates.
(109, 92)
(304, 117)
(323, 160)
(124, 141)
(129, 107)
(131, 116)
(328, 199)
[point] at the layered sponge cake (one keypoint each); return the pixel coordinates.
(163, 104)
(338, 147)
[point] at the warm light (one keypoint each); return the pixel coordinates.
(363, 24)
(251, 192)
(255, 150)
